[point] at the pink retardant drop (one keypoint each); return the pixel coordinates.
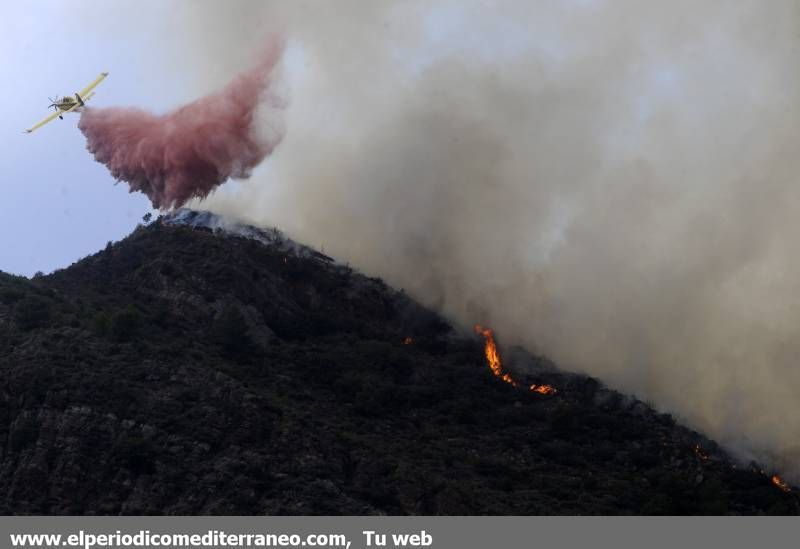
(187, 153)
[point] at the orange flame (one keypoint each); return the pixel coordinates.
(699, 452)
(492, 355)
(780, 483)
(496, 365)
(408, 341)
(543, 389)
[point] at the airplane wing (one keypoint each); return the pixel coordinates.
(51, 117)
(42, 123)
(94, 84)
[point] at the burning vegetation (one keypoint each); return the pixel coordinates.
(780, 483)
(496, 365)
(699, 452)
(543, 389)
(492, 355)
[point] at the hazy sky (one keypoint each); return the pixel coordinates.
(58, 204)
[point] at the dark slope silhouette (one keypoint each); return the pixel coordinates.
(192, 370)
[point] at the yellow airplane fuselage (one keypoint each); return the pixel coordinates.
(65, 103)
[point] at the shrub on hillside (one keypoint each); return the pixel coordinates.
(125, 324)
(32, 312)
(231, 331)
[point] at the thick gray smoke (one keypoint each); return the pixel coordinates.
(611, 183)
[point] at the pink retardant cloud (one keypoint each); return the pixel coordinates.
(187, 153)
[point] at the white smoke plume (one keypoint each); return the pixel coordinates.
(614, 184)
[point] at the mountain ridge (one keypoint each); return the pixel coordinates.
(204, 366)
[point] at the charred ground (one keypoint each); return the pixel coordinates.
(185, 370)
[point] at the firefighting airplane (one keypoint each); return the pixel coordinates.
(69, 103)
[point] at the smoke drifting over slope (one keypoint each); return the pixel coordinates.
(187, 153)
(613, 184)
